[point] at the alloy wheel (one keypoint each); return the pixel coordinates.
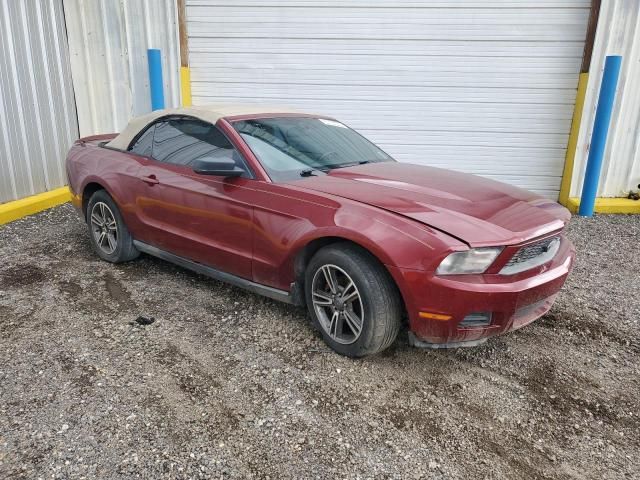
(337, 304)
(104, 227)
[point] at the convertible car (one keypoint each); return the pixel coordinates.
(303, 209)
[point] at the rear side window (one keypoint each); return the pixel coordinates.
(144, 144)
(181, 141)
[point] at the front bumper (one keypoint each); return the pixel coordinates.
(513, 300)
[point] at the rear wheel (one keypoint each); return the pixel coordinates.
(110, 237)
(352, 300)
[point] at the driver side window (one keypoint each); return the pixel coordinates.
(182, 141)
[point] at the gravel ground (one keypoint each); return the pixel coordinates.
(226, 384)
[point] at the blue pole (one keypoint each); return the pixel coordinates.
(155, 79)
(599, 135)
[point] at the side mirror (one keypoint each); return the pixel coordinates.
(220, 167)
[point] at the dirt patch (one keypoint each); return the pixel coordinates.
(5, 314)
(413, 420)
(590, 328)
(69, 287)
(566, 394)
(117, 291)
(16, 276)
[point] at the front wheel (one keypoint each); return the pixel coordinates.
(352, 300)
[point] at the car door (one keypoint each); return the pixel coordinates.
(204, 218)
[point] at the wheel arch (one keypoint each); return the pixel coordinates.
(87, 192)
(304, 255)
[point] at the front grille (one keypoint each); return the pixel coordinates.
(531, 251)
(531, 256)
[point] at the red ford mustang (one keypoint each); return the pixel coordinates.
(303, 209)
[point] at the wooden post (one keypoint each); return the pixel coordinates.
(591, 35)
(185, 73)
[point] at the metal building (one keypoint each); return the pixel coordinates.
(74, 68)
(487, 87)
(37, 109)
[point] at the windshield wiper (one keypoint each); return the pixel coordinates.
(309, 172)
(345, 165)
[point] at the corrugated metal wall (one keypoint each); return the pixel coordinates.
(37, 111)
(108, 41)
(481, 86)
(618, 34)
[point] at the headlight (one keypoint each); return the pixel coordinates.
(476, 260)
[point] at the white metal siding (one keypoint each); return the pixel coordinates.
(108, 41)
(618, 34)
(481, 86)
(37, 112)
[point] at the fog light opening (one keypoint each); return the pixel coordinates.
(476, 320)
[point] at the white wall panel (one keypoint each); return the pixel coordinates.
(618, 34)
(486, 87)
(37, 111)
(108, 40)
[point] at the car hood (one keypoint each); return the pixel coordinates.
(476, 210)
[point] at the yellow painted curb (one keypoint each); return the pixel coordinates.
(185, 86)
(567, 173)
(11, 211)
(608, 205)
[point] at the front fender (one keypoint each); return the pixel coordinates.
(392, 239)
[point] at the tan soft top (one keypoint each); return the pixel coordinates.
(208, 113)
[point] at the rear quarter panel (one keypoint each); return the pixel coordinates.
(114, 170)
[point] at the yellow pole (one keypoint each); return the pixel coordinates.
(185, 86)
(567, 174)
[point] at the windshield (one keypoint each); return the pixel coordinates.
(293, 147)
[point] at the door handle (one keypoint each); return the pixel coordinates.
(150, 179)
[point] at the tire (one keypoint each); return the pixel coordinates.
(377, 305)
(116, 245)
